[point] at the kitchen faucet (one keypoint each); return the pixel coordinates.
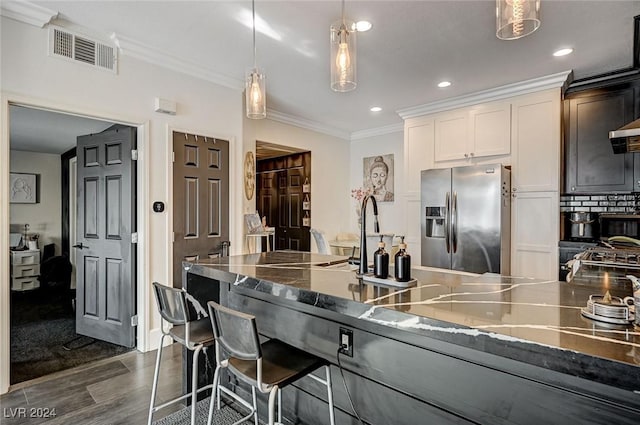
(363, 268)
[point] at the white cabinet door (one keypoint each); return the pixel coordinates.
(451, 136)
(418, 148)
(534, 245)
(536, 142)
(490, 129)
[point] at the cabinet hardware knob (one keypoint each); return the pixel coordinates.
(514, 195)
(573, 188)
(515, 188)
(466, 155)
(471, 154)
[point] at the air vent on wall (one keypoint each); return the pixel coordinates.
(79, 48)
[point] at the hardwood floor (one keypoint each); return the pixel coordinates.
(108, 392)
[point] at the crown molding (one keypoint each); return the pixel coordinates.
(28, 13)
(307, 124)
(134, 49)
(378, 131)
(558, 80)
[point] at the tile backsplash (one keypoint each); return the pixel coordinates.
(611, 203)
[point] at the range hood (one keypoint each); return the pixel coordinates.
(627, 138)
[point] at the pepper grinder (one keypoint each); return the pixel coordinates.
(381, 261)
(402, 269)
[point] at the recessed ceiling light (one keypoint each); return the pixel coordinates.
(375, 109)
(443, 84)
(362, 26)
(562, 52)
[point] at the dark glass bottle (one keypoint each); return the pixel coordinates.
(402, 268)
(381, 261)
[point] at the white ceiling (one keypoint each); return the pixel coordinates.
(42, 131)
(412, 46)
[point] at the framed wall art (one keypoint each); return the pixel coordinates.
(22, 188)
(378, 176)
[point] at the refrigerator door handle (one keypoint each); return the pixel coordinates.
(447, 218)
(454, 222)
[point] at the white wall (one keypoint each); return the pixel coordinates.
(390, 214)
(329, 172)
(30, 77)
(44, 217)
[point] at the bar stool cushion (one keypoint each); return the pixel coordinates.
(282, 364)
(200, 332)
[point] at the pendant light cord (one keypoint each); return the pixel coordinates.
(253, 13)
(343, 12)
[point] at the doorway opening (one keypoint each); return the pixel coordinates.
(283, 196)
(42, 225)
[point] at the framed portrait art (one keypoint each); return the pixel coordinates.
(377, 177)
(22, 188)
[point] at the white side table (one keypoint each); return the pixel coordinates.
(270, 233)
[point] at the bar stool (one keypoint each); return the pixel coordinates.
(193, 334)
(267, 367)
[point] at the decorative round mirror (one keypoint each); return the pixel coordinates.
(249, 175)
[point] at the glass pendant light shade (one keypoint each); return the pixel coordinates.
(254, 87)
(516, 18)
(255, 94)
(343, 56)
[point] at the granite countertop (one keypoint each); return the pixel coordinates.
(534, 321)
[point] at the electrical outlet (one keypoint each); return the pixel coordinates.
(346, 342)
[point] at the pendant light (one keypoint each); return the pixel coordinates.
(516, 18)
(255, 94)
(343, 55)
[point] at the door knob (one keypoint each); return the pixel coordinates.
(80, 246)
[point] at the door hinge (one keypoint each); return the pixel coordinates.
(134, 237)
(134, 154)
(173, 157)
(134, 320)
(173, 236)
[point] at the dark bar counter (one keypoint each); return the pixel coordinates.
(454, 348)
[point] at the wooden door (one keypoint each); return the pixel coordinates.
(290, 234)
(200, 199)
(280, 196)
(267, 196)
(105, 246)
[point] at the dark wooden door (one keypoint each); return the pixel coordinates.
(280, 196)
(105, 250)
(592, 166)
(290, 234)
(200, 199)
(267, 196)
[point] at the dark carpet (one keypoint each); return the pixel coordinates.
(225, 416)
(41, 322)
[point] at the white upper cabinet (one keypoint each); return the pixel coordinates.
(490, 129)
(418, 148)
(482, 130)
(536, 142)
(451, 138)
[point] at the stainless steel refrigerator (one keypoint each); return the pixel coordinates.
(466, 218)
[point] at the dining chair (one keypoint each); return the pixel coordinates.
(321, 241)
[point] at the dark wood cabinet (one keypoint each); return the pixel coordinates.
(590, 164)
